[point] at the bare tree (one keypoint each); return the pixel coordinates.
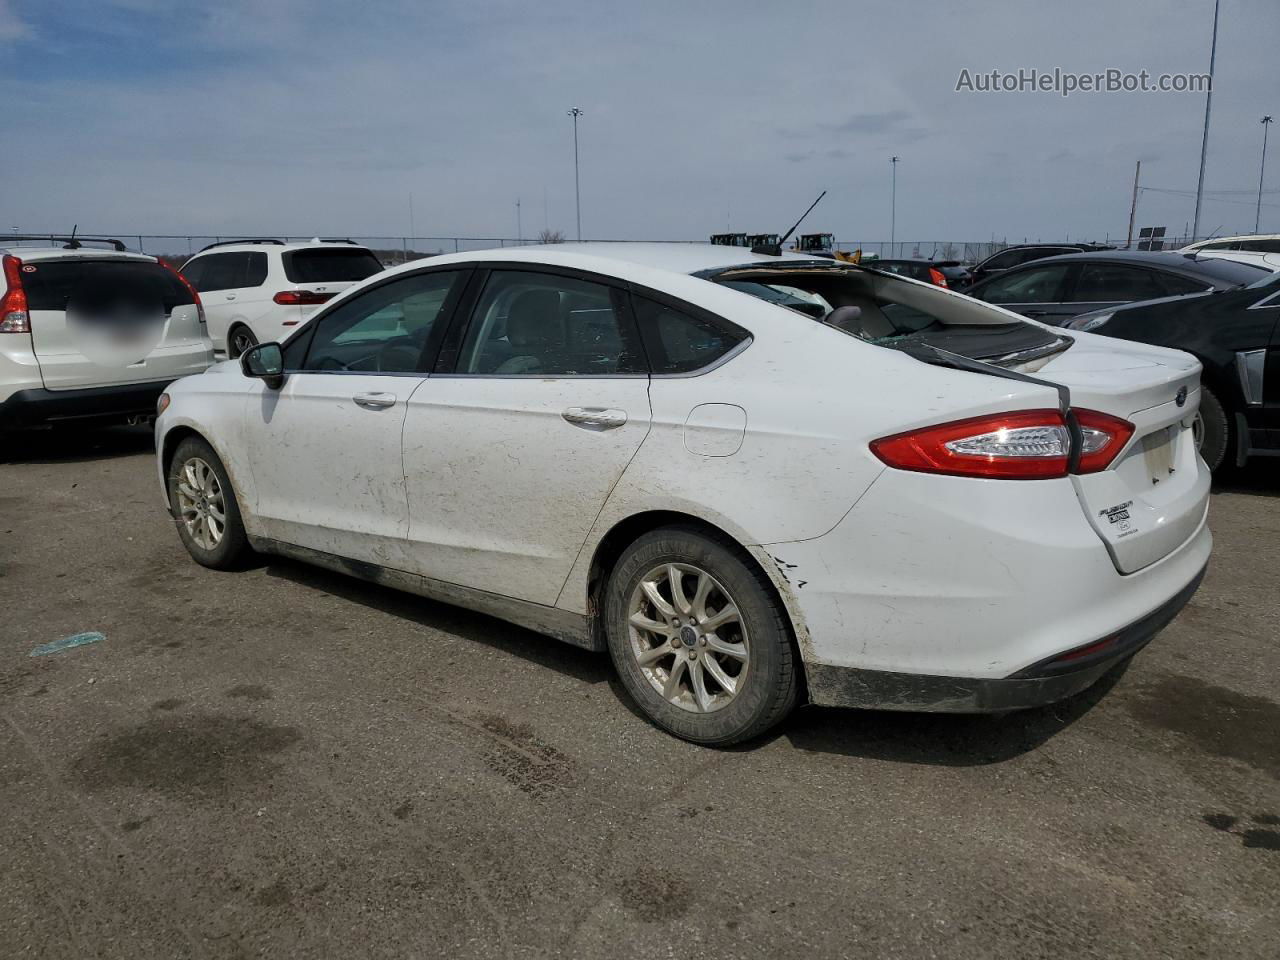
(551, 236)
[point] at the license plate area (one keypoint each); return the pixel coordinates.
(1158, 450)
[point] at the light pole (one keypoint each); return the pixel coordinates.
(1204, 139)
(1257, 217)
(893, 207)
(577, 195)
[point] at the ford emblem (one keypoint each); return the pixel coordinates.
(1181, 398)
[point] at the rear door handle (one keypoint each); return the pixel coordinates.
(231, 296)
(375, 401)
(595, 418)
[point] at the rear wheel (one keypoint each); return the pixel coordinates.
(1212, 430)
(203, 503)
(698, 638)
(239, 340)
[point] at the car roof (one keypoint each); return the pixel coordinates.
(1246, 236)
(671, 257)
(239, 246)
(1170, 260)
(60, 252)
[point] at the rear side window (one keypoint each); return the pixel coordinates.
(1176, 286)
(1112, 281)
(1261, 246)
(227, 271)
(330, 264)
(681, 342)
(103, 286)
(535, 324)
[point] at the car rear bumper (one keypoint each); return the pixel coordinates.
(1037, 685)
(33, 407)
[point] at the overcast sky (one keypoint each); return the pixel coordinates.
(309, 116)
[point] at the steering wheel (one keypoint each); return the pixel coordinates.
(399, 355)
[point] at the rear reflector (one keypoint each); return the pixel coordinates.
(1024, 445)
(14, 317)
(936, 277)
(301, 298)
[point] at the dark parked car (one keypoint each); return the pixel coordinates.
(942, 273)
(1059, 288)
(1236, 335)
(1021, 253)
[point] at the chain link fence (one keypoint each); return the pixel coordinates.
(396, 250)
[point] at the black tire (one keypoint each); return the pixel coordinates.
(232, 548)
(239, 339)
(1215, 425)
(771, 687)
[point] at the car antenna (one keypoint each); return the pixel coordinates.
(775, 249)
(73, 243)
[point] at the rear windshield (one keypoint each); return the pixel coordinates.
(98, 285)
(317, 266)
(887, 311)
(1229, 273)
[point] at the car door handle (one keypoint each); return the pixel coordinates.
(375, 401)
(595, 418)
(231, 296)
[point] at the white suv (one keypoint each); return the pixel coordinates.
(90, 331)
(256, 291)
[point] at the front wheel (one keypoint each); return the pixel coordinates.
(204, 506)
(698, 638)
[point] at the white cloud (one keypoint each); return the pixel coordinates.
(11, 27)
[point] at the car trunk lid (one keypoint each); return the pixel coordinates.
(1153, 496)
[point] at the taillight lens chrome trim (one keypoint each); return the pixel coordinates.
(1021, 445)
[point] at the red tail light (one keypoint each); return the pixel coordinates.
(936, 277)
(1104, 438)
(14, 317)
(301, 298)
(1025, 445)
(195, 294)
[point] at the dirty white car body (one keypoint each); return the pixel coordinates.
(512, 493)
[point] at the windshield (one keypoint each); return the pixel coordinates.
(886, 310)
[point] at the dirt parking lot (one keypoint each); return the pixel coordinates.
(284, 762)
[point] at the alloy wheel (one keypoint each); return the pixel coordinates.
(241, 342)
(201, 505)
(688, 637)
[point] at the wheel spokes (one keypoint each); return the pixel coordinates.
(726, 614)
(736, 650)
(675, 579)
(672, 686)
(659, 602)
(727, 683)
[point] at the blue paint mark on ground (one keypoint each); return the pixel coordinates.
(67, 643)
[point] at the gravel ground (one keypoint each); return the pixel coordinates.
(284, 762)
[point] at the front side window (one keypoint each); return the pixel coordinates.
(384, 330)
(680, 342)
(1033, 285)
(1101, 282)
(547, 325)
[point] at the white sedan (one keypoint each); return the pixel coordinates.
(753, 479)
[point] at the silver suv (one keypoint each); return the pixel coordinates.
(91, 331)
(256, 291)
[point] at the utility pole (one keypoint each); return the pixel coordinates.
(1133, 205)
(1204, 140)
(1257, 217)
(411, 214)
(519, 228)
(893, 208)
(577, 195)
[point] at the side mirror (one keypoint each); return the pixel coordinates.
(265, 361)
